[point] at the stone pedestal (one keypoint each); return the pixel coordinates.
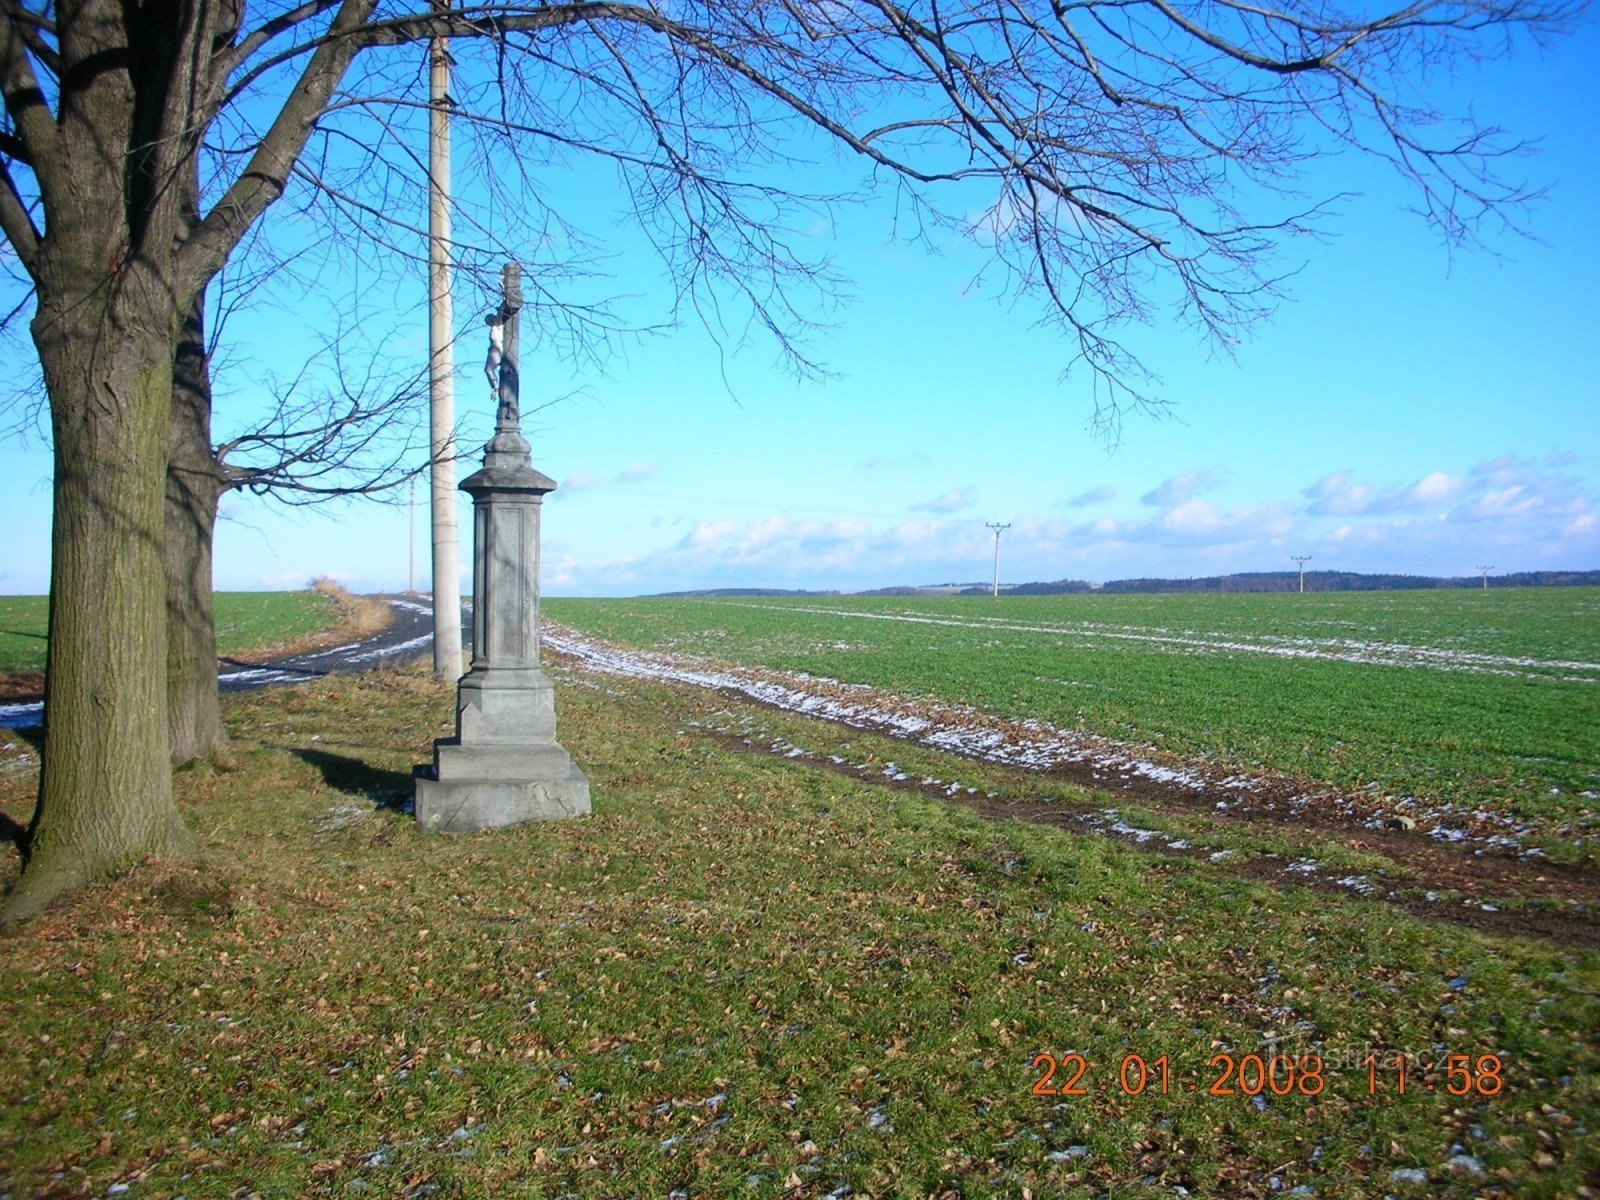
(504, 766)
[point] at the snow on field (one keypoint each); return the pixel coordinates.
(1389, 654)
(1030, 745)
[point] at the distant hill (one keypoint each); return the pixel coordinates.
(1061, 587)
(925, 589)
(706, 593)
(1316, 581)
(1248, 581)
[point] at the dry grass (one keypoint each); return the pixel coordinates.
(24, 685)
(360, 617)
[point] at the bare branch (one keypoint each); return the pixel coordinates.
(16, 222)
(25, 100)
(263, 179)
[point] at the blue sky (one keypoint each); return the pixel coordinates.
(1405, 409)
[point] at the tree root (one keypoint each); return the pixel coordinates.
(53, 872)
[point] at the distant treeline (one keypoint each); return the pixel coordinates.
(1288, 581)
(712, 592)
(1249, 581)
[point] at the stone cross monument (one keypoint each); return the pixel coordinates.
(504, 766)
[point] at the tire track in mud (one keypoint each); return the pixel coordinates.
(1466, 864)
(1573, 925)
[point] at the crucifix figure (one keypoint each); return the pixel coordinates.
(497, 349)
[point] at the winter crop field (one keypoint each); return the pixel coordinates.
(1485, 700)
(245, 621)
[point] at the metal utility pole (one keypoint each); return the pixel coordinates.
(1485, 571)
(1302, 560)
(441, 368)
(998, 530)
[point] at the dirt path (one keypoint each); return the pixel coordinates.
(359, 645)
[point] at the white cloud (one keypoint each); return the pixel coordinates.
(1512, 489)
(952, 501)
(1195, 519)
(1436, 487)
(1430, 493)
(1170, 493)
(580, 481)
(1520, 515)
(1340, 495)
(1499, 503)
(1328, 485)
(1096, 495)
(783, 551)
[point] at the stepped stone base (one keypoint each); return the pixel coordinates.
(465, 805)
(504, 767)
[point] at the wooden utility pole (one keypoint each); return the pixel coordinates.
(441, 368)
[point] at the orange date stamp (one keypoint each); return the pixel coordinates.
(1459, 1075)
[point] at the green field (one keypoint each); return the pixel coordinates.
(245, 621)
(1485, 699)
(746, 975)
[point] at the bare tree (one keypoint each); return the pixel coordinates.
(349, 433)
(1104, 145)
(349, 430)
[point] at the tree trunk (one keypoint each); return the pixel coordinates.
(105, 791)
(195, 483)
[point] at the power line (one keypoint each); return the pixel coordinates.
(1485, 571)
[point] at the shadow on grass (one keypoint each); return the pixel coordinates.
(390, 791)
(32, 734)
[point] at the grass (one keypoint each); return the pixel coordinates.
(245, 621)
(742, 976)
(1517, 733)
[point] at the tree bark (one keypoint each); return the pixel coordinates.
(105, 791)
(195, 484)
(105, 324)
(115, 272)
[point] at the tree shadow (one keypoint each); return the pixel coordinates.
(27, 633)
(11, 830)
(389, 791)
(32, 734)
